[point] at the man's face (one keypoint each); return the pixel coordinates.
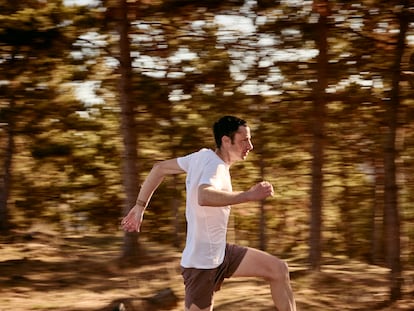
(241, 145)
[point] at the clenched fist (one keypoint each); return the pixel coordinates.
(260, 191)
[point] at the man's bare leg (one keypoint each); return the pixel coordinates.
(257, 263)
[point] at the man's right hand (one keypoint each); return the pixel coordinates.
(132, 221)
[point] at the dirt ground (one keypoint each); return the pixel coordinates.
(43, 271)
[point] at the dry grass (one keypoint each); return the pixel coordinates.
(43, 271)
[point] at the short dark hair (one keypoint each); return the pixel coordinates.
(226, 126)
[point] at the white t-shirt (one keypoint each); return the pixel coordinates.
(206, 225)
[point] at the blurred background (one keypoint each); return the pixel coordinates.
(92, 93)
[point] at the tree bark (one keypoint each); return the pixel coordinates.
(6, 175)
(262, 220)
(377, 244)
(5, 178)
(391, 212)
(318, 121)
(128, 129)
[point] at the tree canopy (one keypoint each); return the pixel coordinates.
(327, 87)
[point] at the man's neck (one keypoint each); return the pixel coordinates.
(224, 156)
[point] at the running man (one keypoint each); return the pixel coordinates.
(207, 258)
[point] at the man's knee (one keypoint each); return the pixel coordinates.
(278, 270)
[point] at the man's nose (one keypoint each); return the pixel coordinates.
(250, 145)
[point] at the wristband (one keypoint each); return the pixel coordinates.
(141, 203)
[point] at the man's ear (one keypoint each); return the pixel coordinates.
(225, 140)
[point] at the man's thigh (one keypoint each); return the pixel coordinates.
(257, 263)
(195, 308)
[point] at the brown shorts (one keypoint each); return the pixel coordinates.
(200, 284)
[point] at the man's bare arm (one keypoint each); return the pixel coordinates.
(132, 221)
(208, 196)
(157, 174)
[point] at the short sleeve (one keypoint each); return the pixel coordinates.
(185, 161)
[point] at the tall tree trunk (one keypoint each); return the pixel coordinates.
(128, 131)
(345, 209)
(259, 150)
(377, 244)
(7, 157)
(175, 206)
(391, 213)
(5, 178)
(262, 221)
(318, 121)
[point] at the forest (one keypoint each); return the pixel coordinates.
(93, 93)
